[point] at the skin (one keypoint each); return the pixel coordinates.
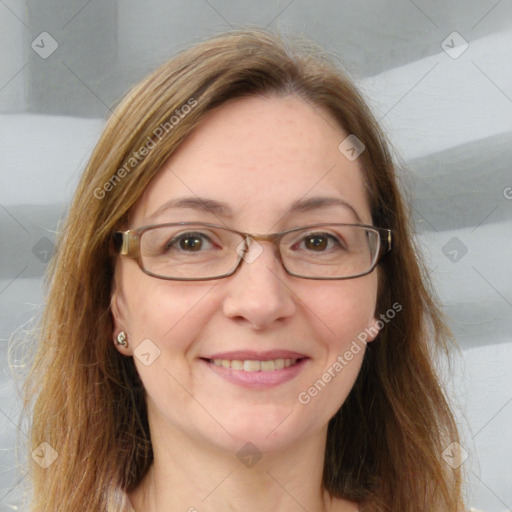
(258, 155)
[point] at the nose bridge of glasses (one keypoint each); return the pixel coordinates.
(273, 238)
(251, 240)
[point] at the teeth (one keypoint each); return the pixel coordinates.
(267, 366)
(237, 365)
(251, 365)
(279, 364)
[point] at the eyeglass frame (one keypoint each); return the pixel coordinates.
(127, 243)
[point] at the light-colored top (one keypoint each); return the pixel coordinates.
(128, 507)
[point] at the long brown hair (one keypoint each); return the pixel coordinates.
(384, 445)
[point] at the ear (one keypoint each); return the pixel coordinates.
(373, 329)
(119, 320)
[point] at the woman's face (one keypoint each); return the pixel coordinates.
(258, 156)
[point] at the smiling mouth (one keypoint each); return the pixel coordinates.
(253, 365)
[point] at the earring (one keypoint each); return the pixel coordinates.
(121, 339)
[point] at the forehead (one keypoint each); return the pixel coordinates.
(259, 155)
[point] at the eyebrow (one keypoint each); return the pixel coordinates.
(222, 209)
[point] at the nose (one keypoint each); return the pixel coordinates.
(259, 291)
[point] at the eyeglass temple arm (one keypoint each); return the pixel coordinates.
(126, 243)
(387, 236)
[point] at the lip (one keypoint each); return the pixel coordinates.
(260, 379)
(251, 355)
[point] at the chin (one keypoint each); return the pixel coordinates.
(271, 431)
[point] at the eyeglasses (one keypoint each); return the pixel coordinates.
(197, 251)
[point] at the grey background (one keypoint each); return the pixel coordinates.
(450, 121)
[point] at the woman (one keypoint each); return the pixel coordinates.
(189, 360)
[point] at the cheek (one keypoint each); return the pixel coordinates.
(171, 314)
(344, 309)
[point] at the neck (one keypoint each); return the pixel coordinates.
(188, 475)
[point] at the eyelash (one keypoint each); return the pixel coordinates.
(183, 236)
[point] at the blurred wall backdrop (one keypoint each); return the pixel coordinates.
(438, 77)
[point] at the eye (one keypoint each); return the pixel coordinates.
(315, 242)
(319, 242)
(189, 242)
